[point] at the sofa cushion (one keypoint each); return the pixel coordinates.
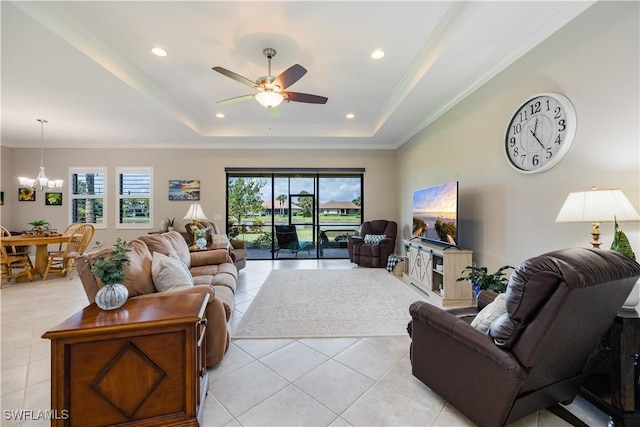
(137, 276)
(167, 273)
(489, 313)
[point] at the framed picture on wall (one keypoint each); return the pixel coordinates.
(1, 198)
(53, 199)
(26, 195)
(184, 189)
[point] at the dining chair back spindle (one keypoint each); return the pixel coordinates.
(61, 261)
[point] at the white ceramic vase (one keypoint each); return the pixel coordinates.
(110, 297)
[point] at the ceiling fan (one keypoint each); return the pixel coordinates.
(272, 89)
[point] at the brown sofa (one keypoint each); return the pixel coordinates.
(213, 273)
(237, 248)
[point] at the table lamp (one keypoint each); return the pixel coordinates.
(195, 215)
(597, 206)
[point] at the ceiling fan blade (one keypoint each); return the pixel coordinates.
(236, 77)
(305, 97)
(290, 76)
(236, 99)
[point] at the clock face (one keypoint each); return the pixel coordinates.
(540, 133)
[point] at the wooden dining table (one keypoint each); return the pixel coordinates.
(40, 242)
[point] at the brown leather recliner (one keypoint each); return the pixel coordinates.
(373, 254)
(559, 306)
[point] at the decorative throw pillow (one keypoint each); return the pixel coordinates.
(167, 273)
(491, 312)
(373, 239)
(220, 239)
(173, 255)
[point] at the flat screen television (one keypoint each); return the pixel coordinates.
(435, 213)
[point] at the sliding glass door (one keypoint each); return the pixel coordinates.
(284, 214)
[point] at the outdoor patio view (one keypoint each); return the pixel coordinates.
(294, 216)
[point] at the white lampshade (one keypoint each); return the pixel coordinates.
(597, 206)
(269, 98)
(195, 213)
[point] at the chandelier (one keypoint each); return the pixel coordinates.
(41, 182)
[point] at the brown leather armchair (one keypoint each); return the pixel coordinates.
(373, 254)
(558, 307)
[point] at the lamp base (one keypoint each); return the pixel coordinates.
(194, 248)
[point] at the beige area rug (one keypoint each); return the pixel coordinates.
(328, 303)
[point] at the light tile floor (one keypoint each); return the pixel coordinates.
(282, 382)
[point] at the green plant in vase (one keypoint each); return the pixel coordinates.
(170, 223)
(201, 240)
(480, 278)
(110, 270)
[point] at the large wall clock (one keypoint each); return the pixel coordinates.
(540, 133)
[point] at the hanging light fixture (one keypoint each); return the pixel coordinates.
(269, 98)
(41, 182)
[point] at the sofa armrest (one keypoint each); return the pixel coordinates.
(238, 244)
(449, 327)
(210, 257)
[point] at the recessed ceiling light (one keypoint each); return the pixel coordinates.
(159, 51)
(377, 54)
(350, 116)
(220, 116)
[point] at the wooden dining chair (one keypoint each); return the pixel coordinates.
(12, 257)
(61, 261)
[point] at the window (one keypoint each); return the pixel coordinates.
(134, 197)
(323, 206)
(88, 189)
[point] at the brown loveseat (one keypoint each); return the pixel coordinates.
(213, 273)
(237, 248)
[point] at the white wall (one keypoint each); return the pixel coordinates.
(505, 216)
(380, 197)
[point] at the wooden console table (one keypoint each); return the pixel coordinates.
(142, 364)
(618, 393)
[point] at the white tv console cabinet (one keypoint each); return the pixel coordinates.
(440, 284)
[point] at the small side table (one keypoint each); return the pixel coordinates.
(618, 394)
(141, 364)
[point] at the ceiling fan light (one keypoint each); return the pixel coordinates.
(269, 99)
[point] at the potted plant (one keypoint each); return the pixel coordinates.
(110, 270)
(480, 278)
(621, 244)
(169, 222)
(201, 240)
(39, 227)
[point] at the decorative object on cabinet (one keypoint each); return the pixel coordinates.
(53, 199)
(184, 189)
(540, 133)
(441, 287)
(596, 206)
(110, 270)
(169, 222)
